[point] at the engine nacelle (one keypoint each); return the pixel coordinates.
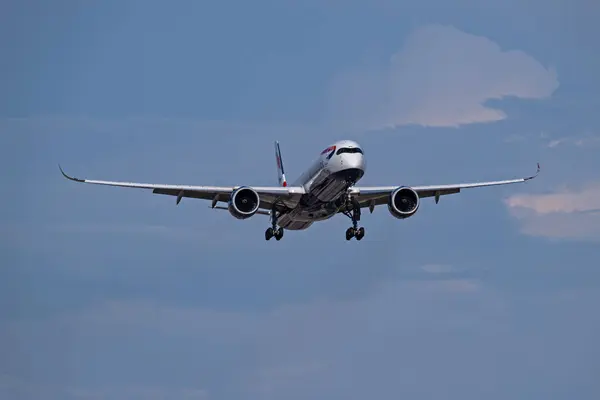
(243, 203)
(403, 202)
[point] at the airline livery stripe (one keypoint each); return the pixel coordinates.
(279, 163)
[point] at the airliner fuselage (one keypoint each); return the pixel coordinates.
(326, 183)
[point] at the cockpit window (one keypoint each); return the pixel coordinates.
(349, 150)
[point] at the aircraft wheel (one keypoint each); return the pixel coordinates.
(269, 233)
(279, 234)
(360, 233)
(349, 233)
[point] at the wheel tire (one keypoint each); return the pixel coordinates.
(349, 233)
(278, 234)
(268, 233)
(360, 233)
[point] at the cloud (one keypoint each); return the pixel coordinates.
(399, 339)
(441, 77)
(565, 201)
(586, 140)
(438, 268)
(566, 213)
(15, 387)
(581, 141)
(292, 351)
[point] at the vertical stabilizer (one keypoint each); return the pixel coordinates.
(280, 172)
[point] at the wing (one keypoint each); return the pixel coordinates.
(375, 195)
(280, 198)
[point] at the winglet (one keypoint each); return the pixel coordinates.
(536, 173)
(69, 177)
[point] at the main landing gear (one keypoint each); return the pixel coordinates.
(274, 230)
(354, 215)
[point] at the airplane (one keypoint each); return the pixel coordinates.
(327, 188)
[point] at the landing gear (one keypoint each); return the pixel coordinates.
(274, 230)
(354, 215)
(357, 233)
(277, 233)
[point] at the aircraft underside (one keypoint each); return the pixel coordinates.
(302, 218)
(322, 202)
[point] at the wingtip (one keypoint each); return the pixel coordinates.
(536, 173)
(69, 177)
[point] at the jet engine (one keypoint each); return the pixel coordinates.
(403, 202)
(243, 203)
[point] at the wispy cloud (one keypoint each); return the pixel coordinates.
(452, 286)
(295, 351)
(441, 77)
(585, 140)
(563, 201)
(290, 345)
(567, 213)
(14, 387)
(438, 268)
(18, 232)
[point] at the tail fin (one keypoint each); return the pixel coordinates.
(280, 172)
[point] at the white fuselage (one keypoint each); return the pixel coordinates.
(338, 167)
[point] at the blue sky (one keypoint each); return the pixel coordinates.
(109, 293)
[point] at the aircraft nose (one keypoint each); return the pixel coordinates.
(355, 161)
